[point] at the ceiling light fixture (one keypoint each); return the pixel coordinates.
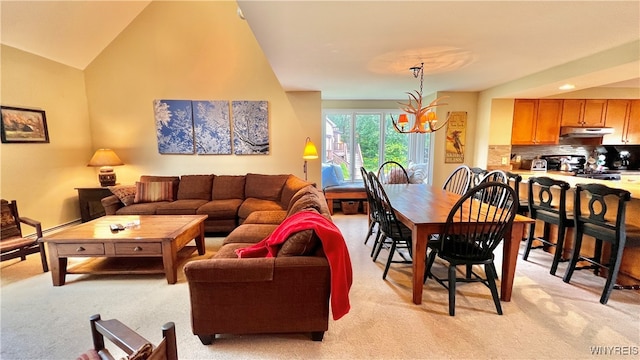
(567, 87)
(425, 119)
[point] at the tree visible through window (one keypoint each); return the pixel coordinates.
(367, 138)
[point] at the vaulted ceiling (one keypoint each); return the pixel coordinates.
(364, 49)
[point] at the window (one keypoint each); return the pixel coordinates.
(367, 138)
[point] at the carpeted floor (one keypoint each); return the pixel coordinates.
(545, 319)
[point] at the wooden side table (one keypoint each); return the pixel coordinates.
(89, 200)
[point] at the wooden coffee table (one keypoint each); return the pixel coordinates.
(145, 236)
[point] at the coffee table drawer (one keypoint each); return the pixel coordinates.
(138, 249)
(80, 249)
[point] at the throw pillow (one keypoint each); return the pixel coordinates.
(419, 173)
(302, 243)
(126, 193)
(329, 177)
(153, 191)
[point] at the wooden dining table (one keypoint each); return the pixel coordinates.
(424, 209)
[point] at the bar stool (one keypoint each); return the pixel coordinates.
(541, 207)
(604, 223)
(523, 205)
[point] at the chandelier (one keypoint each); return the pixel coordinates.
(424, 117)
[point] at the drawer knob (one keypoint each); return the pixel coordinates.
(80, 249)
(137, 248)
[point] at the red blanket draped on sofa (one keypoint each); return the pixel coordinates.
(332, 243)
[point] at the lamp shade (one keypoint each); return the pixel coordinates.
(310, 151)
(402, 119)
(105, 157)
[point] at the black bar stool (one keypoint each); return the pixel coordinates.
(604, 223)
(523, 205)
(542, 207)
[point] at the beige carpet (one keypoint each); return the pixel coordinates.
(545, 319)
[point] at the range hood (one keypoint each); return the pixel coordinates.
(584, 132)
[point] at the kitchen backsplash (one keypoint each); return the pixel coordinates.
(528, 152)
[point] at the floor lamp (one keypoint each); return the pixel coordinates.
(309, 153)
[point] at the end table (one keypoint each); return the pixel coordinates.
(90, 205)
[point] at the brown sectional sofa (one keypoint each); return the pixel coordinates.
(227, 199)
(288, 293)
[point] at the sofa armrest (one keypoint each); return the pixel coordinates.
(111, 204)
(230, 270)
(249, 270)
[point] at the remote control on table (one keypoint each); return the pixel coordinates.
(116, 227)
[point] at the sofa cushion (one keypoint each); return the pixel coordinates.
(291, 186)
(229, 251)
(302, 243)
(228, 187)
(195, 187)
(220, 209)
(266, 217)
(153, 191)
(140, 209)
(126, 193)
(174, 179)
(249, 233)
(250, 205)
(180, 207)
(266, 187)
(307, 199)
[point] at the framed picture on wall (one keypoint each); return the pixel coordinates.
(23, 125)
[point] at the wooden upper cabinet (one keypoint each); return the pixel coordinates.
(524, 120)
(572, 112)
(616, 118)
(594, 112)
(548, 121)
(633, 125)
(536, 122)
(624, 117)
(583, 113)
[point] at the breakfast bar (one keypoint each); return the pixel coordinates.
(630, 268)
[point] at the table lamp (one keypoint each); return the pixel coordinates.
(309, 153)
(105, 159)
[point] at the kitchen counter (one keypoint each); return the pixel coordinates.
(630, 179)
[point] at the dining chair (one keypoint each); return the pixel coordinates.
(605, 223)
(392, 232)
(543, 207)
(471, 234)
(459, 180)
(477, 174)
(494, 176)
(391, 172)
(373, 212)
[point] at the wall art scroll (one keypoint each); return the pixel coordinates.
(456, 134)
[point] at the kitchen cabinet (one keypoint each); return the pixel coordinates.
(624, 117)
(536, 122)
(583, 113)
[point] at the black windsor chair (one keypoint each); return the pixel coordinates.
(391, 172)
(472, 232)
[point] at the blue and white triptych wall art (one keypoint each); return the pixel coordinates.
(204, 127)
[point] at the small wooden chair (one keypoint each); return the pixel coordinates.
(12, 243)
(129, 341)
